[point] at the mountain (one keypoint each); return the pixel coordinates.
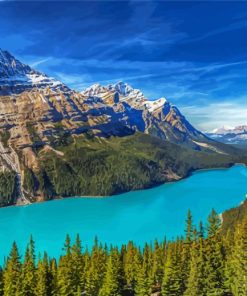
(155, 117)
(229, 135)
(116, 109)
(15, 77)
(57, 142)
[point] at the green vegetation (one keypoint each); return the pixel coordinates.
(99, 166)
(234, 216)
(7, 188)
(34, 136)
(5, 135)
(204, 262)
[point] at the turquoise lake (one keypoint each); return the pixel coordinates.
(140, 216)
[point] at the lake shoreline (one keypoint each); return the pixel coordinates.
(189, 174)
(139, 216)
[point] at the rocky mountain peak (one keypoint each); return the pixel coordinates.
(121, 87)
(156, 104)
(126, 90)
(94, 90)
(16, 77)
(10, 66)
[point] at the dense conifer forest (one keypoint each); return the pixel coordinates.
(101, 167)
(206, 261)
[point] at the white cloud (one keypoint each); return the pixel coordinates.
(214, 115)
(35, 64)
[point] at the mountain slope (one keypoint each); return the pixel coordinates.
(233, 217)
(49, 134)
(97, 166)
(15, 77)
(156, 117)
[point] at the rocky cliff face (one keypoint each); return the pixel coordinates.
(155, 117)
(38, 113)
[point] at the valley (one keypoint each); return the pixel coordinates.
(106, 140)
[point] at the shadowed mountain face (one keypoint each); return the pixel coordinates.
(40, 116)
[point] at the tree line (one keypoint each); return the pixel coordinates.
(205, 262)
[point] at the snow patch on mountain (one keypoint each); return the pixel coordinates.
(127, 94)
(16, 77)
(95, 90)
(230, 135)
(154, 105)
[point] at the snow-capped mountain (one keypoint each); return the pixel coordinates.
(230, 130)
(16, 77)
(115, 109)
(222, 130)
(126, 90)
(123, 92)
(39, 116)
(157, 117)
(230, 135)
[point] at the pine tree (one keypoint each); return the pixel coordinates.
(228, 242)
(186, 250)
(189, 228)
(1, 281)
(53, 277)
(28, 273)
(148, 265)
(196, 280)
(43, 287)
(129, 265)
(215, 261)
(157, 265)
(112, 284)
(214, 224)
(91, 285)
(201, 233)
(141, 285)
(172, 281)
(78, 264)
(12, 273)
(239, 282)
(65, 276)
(95, 270)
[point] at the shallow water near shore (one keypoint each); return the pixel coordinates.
(140, 216)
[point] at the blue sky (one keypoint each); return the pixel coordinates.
(193, 53)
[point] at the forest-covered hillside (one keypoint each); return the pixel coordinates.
(86, 166)
(232, 217)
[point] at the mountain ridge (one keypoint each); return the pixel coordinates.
(230, 135)
(16, 77)
(72, 131)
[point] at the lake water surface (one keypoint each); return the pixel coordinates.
(140, 216)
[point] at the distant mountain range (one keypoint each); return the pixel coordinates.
(107, 139)
(236, 135)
